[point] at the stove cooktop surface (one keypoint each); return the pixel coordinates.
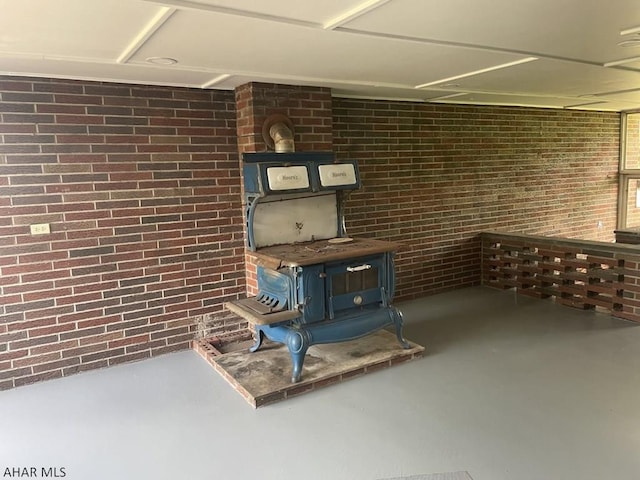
(321, 251)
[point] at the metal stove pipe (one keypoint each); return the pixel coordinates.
(282, 138)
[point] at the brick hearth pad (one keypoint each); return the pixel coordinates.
(264, 376)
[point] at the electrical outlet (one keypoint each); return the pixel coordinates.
(40, 229)
(600, 224)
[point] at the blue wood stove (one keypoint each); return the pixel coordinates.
(315, 284)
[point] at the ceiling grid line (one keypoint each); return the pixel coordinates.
(207, 7)
(164, 14)
(358, 11)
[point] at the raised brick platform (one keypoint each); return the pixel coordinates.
(264, 376)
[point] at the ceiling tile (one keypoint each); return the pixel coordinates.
(586, 30)
(545, 76)
(71, 28)
(104, 72)
(250, 46)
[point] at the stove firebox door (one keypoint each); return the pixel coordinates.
(355, 284)
(311, 293)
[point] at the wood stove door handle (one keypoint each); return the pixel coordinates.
(359, 268)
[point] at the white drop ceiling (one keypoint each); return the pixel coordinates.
(546, 53)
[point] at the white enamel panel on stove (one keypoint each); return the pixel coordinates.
(287, 178)
(296, 220)
(334, 175)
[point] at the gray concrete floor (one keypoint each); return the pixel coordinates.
(510, 388)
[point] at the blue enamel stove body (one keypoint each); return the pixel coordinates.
(315, 285)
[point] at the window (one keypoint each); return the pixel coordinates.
(629, 196)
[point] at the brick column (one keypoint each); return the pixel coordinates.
(308, 108)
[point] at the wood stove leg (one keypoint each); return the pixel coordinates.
(398, 321)
(259, 338)
(298, 343)
(298, 360)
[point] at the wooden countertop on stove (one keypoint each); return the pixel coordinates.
(320, 251)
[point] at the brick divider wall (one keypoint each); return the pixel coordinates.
(577, 273)
(140, 186)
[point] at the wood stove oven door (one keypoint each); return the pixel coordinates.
(355, 284)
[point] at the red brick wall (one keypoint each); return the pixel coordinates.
(141, 189)
(435, 176)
